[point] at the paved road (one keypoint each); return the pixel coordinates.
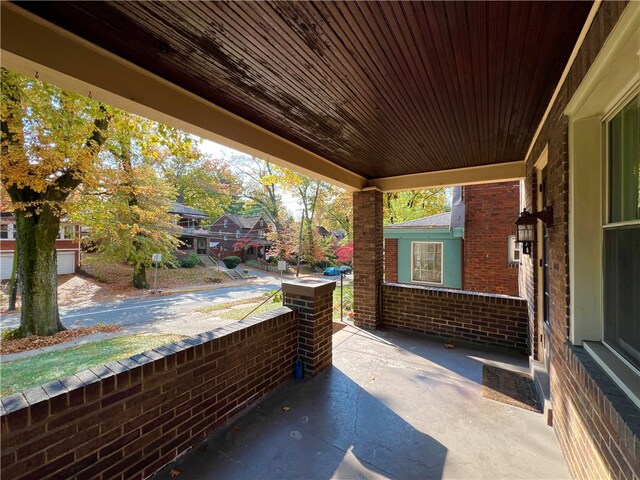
(145, 314)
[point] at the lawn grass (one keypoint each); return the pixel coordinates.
(224, 306)
(37, 370)
(239, 313)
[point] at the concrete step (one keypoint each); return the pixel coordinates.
(541, 381)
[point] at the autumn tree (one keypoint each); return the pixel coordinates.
(413, 204)
(127, 214)
(205, 183)
(50, 141)
(261, 188)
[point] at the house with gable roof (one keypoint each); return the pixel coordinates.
(244, 236)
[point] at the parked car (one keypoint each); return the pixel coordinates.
(346, 269)
(331, 271)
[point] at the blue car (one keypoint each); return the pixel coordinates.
(346, 269)
(331, 271)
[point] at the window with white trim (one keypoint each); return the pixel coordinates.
(226, 237)
(514, 250)
(426, 262)
(621, 234)
(7, 231)
(66, 232)
(604, 217)
(261, 233)
(237, 233)
(226, 223)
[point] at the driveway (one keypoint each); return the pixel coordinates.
(173, 313)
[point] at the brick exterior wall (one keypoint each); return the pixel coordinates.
(600, 438)
(481, 318)
(391, 260)
(129, 418)
(315, 329)
(367, 257)
(490, 212)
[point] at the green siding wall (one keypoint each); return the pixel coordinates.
(451, 246)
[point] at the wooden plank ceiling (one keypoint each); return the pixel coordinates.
(380, 88)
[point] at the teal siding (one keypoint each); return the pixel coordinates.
(451, 246)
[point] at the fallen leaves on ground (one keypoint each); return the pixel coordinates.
(174, 472)
(35, 341)
(235, 429)
(449, 345)
(286, 408)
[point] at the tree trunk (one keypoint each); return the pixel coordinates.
(36, 241)
(140, 276)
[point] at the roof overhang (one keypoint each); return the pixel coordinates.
(36, 47)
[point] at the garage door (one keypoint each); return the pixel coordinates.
(66, 262)
(6, 265)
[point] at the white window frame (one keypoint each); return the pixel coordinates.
(261, 233)
(513, 248)
(226, 237)
(422, 282)
(62, 233)
(226, 223)
(237, 233)
(611, 82)
(261, 223)
(11, 231)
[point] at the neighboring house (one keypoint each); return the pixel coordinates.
(193, 236)
(67, 246)
(232, 229)
(471, 248)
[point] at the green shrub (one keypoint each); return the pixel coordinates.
(11, 334)
(190, 261)
(231, 262)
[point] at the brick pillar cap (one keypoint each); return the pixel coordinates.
(309, 287)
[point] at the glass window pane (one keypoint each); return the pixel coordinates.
(427, 262)
(621, 294)
(624, 164)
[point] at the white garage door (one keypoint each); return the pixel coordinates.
(66, 262)
(6, 265)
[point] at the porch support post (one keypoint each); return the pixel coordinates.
(313, 300)
(367, 257)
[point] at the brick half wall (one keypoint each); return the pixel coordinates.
(480, 318)
(129, 418)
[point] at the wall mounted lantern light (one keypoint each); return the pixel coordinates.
(526, 227)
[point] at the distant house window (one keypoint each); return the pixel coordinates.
(226, 223)
(226, 237)
(261, 233)
(66, 232)
(261, 223)
(426, 262)
(237, 233)
(514, 250)
(7, 231)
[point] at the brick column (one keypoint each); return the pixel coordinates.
(313, 300)
(367, 257)
(391, 260)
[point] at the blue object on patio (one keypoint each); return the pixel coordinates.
(298, 369)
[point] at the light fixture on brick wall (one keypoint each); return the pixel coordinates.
(526, 227)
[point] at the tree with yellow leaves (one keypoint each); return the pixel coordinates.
(49, 145)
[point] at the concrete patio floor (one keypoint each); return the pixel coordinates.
(392, 406)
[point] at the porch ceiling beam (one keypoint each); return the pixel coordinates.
(459, 176)
(37, 48)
